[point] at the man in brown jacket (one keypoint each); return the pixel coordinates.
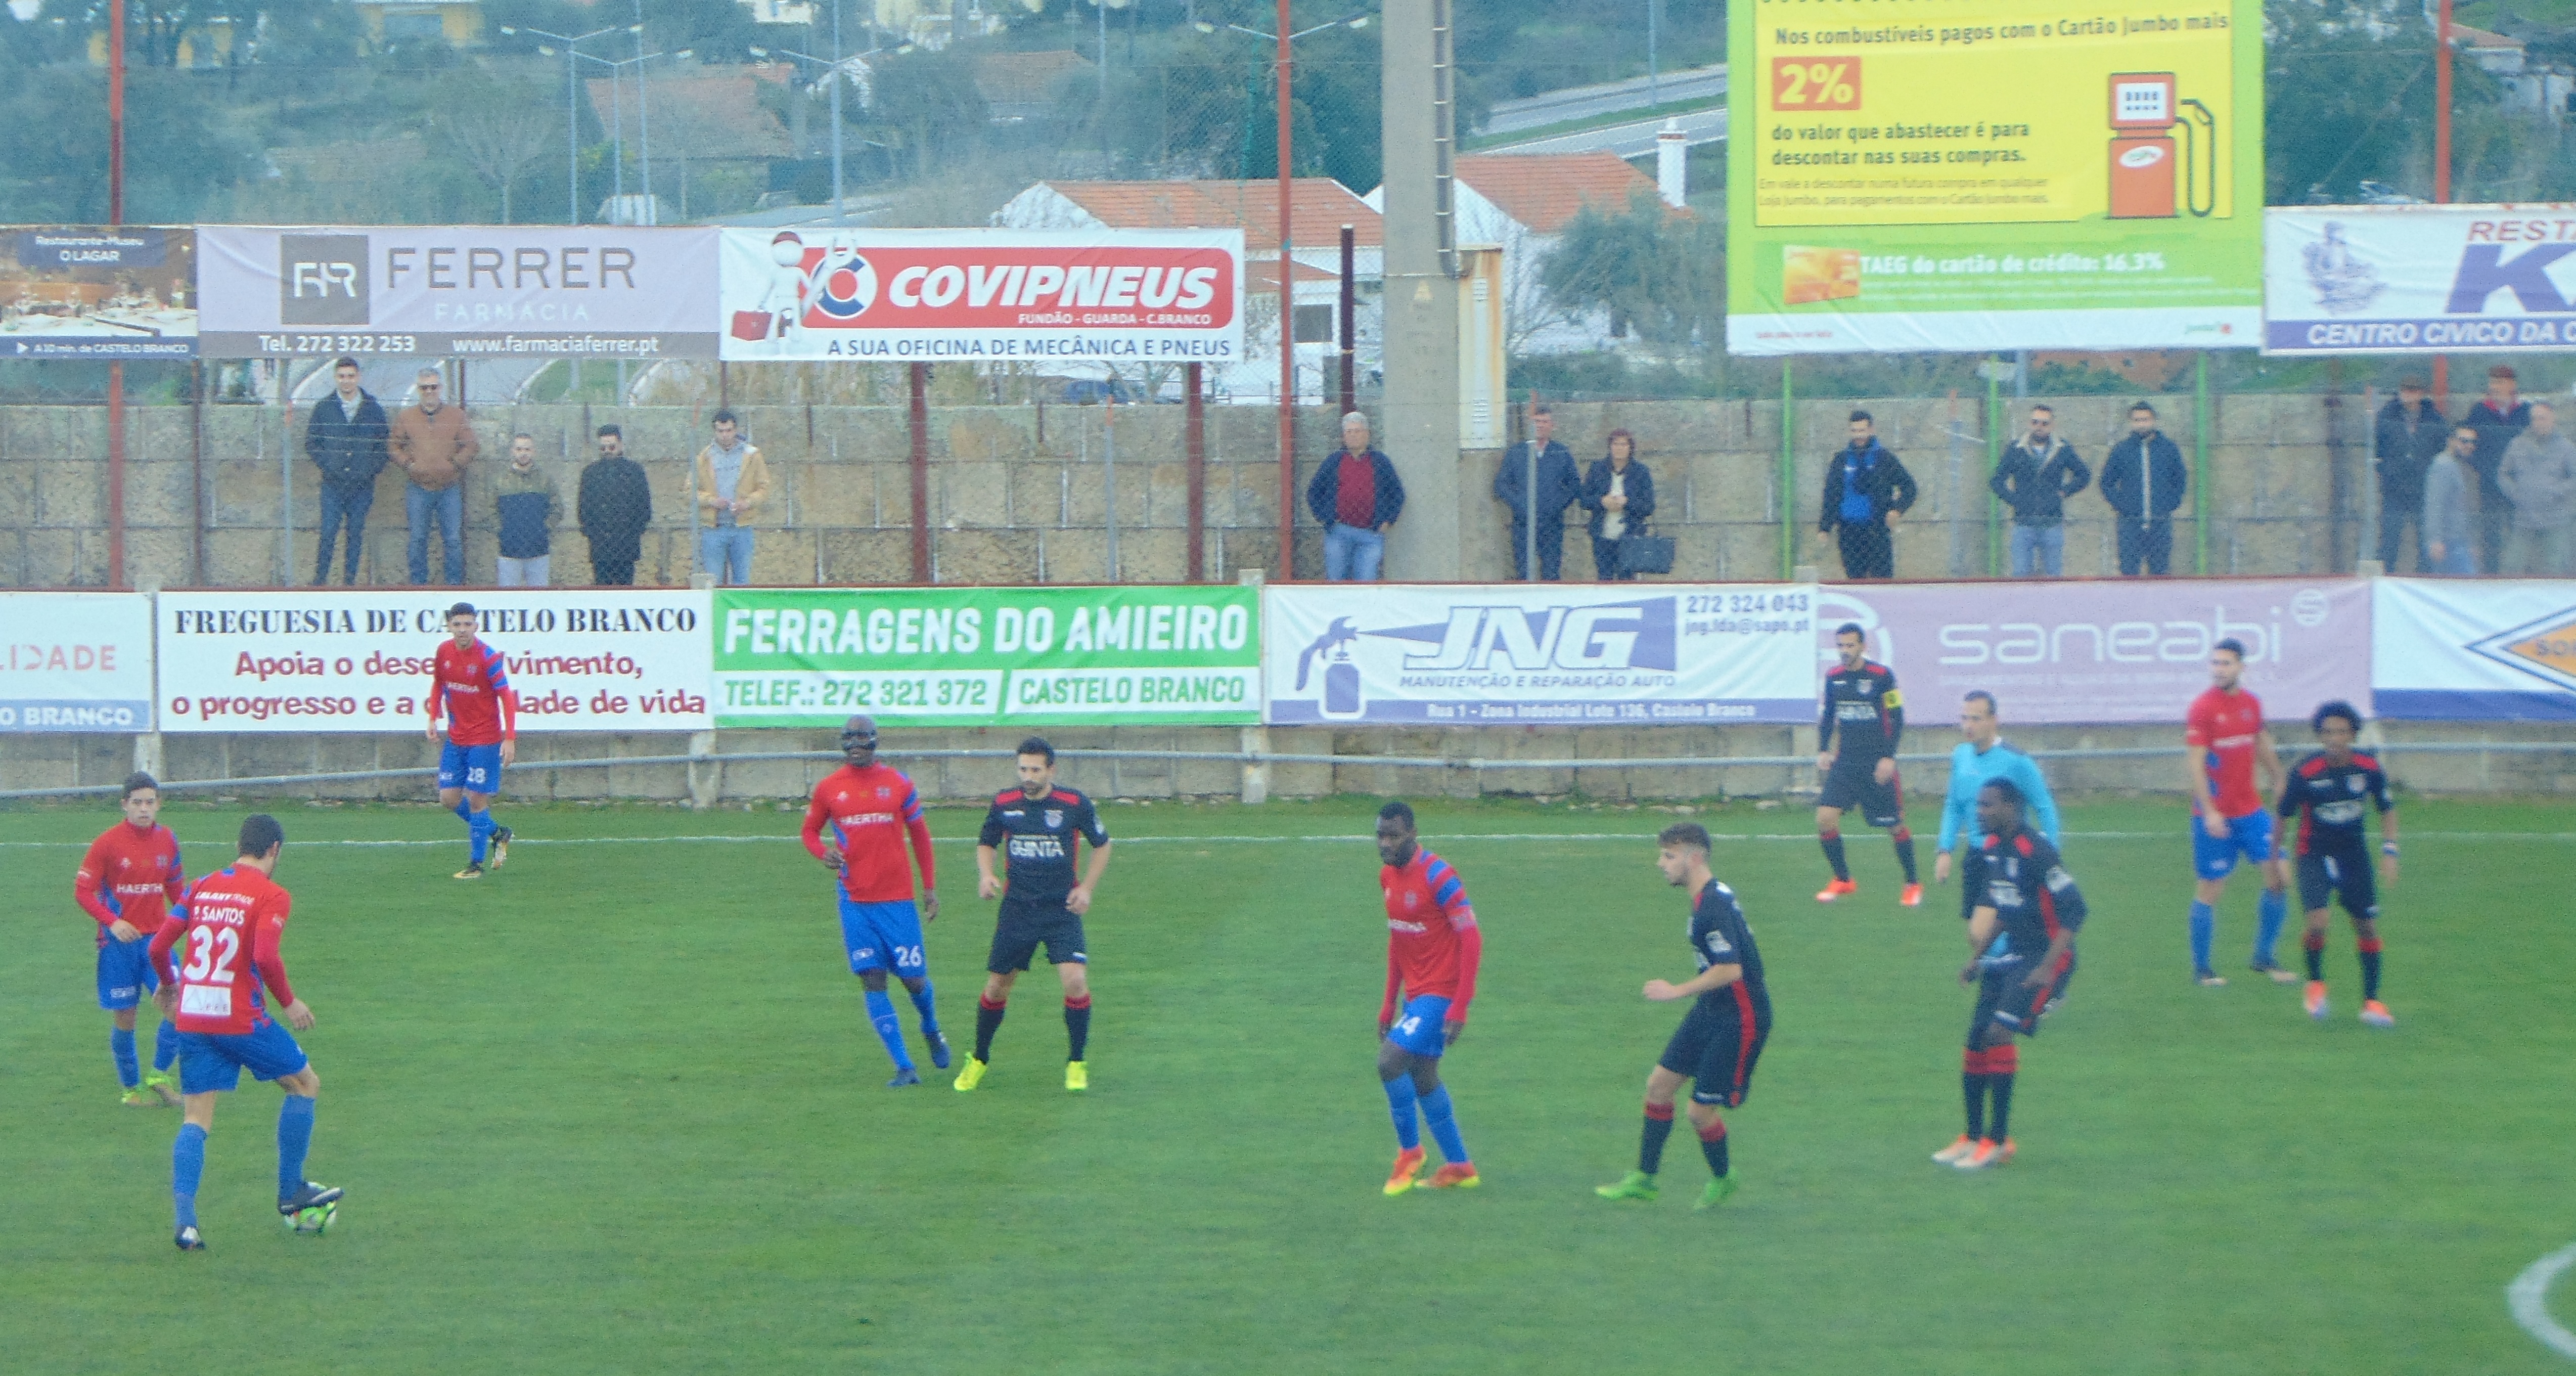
(433, 444)
(731, 484)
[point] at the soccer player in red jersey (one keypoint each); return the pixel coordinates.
(469, 679)
(870, 808)
(2229, 752)
(231, 923)
(126, 883)
(1432, 949)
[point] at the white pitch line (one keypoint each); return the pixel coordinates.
(2528, 1297)
(1351, 838)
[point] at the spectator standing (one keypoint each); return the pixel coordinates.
(1541, 466)
(2143, 479)
(434, 444)
(2411, 432)
(346, 440)
(528, 506)
(731, 482)
(2538, 476)
(2035, 477)
(614, 504)
(2450, 511)
(1866, 491)
(1355, 496)
(1620, 494)
(2497, 417)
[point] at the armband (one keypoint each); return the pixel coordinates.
(2389, 849)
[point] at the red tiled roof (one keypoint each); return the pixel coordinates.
(1318, 208)
(700, 116)
(1544, 190)
(1261, 277)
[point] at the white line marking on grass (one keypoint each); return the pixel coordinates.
(1448, 839)
(2528, 1297)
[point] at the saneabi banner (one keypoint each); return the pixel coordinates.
(75, 661)
(1107, 656)
(98, 291)
(1540, 655)
(2488, 649)
(1914, 175)
(1030, 296)
(610, 659)
(2109, 651)
(2419, 279)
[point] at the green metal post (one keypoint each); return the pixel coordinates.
(2200, 461)
(1994, 460)
(1788, 471)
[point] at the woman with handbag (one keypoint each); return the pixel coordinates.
(1620, 494)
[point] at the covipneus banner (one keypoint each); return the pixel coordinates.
(2475, 650)
(1540, 655)
(614, 659)
(2108, 651)
(1098, 296)
(1106, 656)
(2417, 278)
(75, 661)
(1993, 174)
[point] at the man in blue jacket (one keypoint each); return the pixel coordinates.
(2143, 480)
(1355, 496)
(1541, 466)
(346, 440)
(1866, 490)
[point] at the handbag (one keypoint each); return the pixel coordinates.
(1643, 553)
(751, 326)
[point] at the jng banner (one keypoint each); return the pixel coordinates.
(600, 291)
(2413, 279)
(1548, 655)
(2109, 651)
(124, 291)
(2483, 650)
(1994, 174)
(1109, 656)
(75, 661)
(888, 295)
(613, 659)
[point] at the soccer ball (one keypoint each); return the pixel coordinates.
(316, 1220)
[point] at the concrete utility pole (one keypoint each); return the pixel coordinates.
(1421, 300)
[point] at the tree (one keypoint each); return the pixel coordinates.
(498, 133)
(1659, 274)
(2348, 97)
(931, 102)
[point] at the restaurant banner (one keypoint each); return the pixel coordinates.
(126, 291)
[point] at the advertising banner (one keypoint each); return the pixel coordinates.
(75, 661)
(127, 291)
(1023, 296)
(1112, 656)
(599, 291)
(1548, 655)
(2489, 650)
(1993, 174)
(2410, 279)
(2132, 650)
(610, 659)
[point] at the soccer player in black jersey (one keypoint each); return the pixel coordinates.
(2021, 939)
(1720, 1039)
(2327, 793)
(1042, 827)
(1856, 737)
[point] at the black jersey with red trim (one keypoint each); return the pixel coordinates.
(1039, 839)
(2021, 877)
(1719, 936)
(2328, 799)
(1864, 712)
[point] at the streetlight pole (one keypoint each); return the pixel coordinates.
(2442, 158)
(834, 66)
(644, 118)
(572, 115)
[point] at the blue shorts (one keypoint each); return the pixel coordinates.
(474, 768)
(1420, 1028)
(883, 936)
(125, 972)
(2214, 857)
(211, 1062)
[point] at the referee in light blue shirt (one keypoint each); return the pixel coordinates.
(1981, 757)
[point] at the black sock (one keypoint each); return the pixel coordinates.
(1905, 852)
(2003, 1085)
(1972, 1087)
(1833, 844)
(2370, 969)
(1714, 1148)
(1650, 1146)
(988, 1020)
(1077, 1026)
(2315, 947)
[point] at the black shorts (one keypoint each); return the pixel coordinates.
(1856, 786)
(2005, 1002)
(1022, 929)
(1713, 1048)
(2341, 874)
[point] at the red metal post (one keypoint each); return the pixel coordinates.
(920, 472)
(2442, 161)
(1287, 327)
(116, 111)
(116, 216)
(1196, 433)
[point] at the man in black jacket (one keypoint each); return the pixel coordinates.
(2411, 431)
(614, 504)
(2499, 417)
(347, 442)
(1866, 490)
(1538, 465)
(2034, 478)
(2143, 479)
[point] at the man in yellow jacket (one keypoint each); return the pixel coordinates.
(730, 484)
(434, 444)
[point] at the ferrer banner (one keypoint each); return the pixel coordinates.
(1029, 296)
(98, 292)
(2484, 650)
(1511, 653)
(75, 661)
(2407, 279)
(1115, 656)
(600, 291)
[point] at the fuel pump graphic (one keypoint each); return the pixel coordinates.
(2144, 112)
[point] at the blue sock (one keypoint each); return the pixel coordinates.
(165, 1045)
(294, 1139)
(929, 1015)
(1400, 1101)
(2204, 929)
(2269, 914)
(1444, 1125)
(464, 813)
(187, 1167)
(129, 1071)
(889, 1031)
(482, 826)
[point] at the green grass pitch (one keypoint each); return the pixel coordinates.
(617, 1109)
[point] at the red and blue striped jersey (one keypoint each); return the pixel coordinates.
(1432, 942)
(472, 684)
(872, 810)
(131, 873)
